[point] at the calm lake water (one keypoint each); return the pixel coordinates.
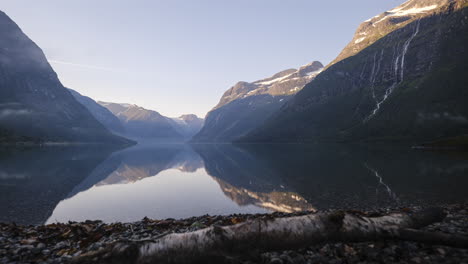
(60, 184)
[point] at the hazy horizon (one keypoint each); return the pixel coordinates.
(179, 58)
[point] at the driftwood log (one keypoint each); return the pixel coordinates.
(275, 234)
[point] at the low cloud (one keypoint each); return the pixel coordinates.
(442, 116)
(8, 113)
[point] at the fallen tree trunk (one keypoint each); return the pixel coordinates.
(272, 234)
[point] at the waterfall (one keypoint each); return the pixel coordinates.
(374, 73)
(381, 182)
(371, 79)
(405, 49)
(398, 71)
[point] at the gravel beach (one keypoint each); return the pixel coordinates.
(60, 243)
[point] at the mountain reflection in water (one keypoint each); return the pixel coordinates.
(48, 185)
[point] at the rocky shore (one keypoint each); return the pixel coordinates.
(60, 243)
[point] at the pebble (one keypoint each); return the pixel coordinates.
(276, 261)
(58, 243)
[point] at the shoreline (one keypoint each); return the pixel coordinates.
(61, 242)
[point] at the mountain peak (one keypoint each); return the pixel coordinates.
(189, 117)
(381, 25)
(286, 82)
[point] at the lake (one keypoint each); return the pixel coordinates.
(61, 184)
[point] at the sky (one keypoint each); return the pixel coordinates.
(179, 57)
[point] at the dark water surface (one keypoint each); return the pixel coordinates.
(60, 184)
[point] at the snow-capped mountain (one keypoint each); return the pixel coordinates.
(286, 82)
(187, 125)
(381, 25)
(402, 77)
(247, 104)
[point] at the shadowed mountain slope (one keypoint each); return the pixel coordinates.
(407, 85)
(33, 103)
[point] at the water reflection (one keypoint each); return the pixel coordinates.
(176, 181)
(247, 179)
(347, 176)
(33, 181)
(157, 181)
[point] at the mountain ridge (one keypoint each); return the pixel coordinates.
(34, 105)
(406, 86)
(145, 123)
(246, 105)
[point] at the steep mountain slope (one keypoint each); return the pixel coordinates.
(142, 123)
(246, 105)
(33, 102)
(408, 85)
(102, 114)
(381, 25)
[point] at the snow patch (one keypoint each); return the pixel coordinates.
(297, 88)
(274, 80)
(399, 12)
(314, 73)
(415, 10)
(359, 40)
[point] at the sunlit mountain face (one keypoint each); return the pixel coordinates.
(287, 202)
(178, 181)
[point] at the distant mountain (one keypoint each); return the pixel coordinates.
(142, 123)
(102, 114)
(187, 125)
(402, 77)
(247, 105)
(34, 105)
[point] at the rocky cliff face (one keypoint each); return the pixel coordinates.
(381, 25)
(402, 77)
(33, 102)
(246, 105)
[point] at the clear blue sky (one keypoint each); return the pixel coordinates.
(177, 56)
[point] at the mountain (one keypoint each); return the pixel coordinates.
(246, 105)
(402, 77)
(187, 125)
(142, 123)
(34, 105)
(102, 114)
